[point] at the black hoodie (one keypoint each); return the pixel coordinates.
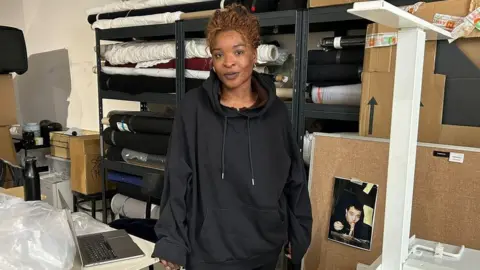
(235, 185)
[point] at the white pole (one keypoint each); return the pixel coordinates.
(403, 147)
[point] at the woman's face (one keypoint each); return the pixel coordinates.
(233, 59)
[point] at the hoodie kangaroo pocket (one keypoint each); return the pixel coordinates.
(238, 234)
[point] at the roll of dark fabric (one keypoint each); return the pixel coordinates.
(338, 74)
(141, 124)
(156, 10)
(347, 56)
(147, 143)
(147, 114)
(114, 153)
(141, 84)
(345, 42)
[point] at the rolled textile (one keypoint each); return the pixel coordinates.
(147, 143)
(141, 124)
(162, 18)
(267, 53)
(155, 72)
(151, 52)
(346, 56)
(125, 178)
(132, 208)
(204, 64)
(168, 114)
(138, 4)
(343, 42)
(340, 74)
(307, 147)
(116, 153)
(141, 84)
(147, 54)
(340, 95)
(191, 7)
(261, 69)
(284, 93)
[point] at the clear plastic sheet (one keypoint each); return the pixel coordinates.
(34, 235)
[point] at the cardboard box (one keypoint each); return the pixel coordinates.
(460, 135)
(7, 152)
(85, 164)
(60, 142)
(324, 3)
(8, 108)
(383, 59)
(376, 106)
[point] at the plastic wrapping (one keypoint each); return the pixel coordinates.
(34, 235)
(139, 158)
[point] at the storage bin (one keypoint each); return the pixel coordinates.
(58, 165)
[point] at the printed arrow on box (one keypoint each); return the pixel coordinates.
(372, 104)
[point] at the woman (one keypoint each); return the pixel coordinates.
(235, 190)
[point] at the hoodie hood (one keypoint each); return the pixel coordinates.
(266, 95)
(261, 83)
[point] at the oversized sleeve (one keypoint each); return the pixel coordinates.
(173, 244)
(298, 200)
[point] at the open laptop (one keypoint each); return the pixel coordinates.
(102, 248)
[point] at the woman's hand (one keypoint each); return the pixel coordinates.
(289, 251)
(169, 265)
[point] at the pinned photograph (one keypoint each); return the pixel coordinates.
(353, 210)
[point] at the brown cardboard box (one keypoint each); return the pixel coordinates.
(60, 142)
(85, 161)
(324, 3)
(7, 152)
(460, 135)
(8, 108)
(383, 59)
(377, 94)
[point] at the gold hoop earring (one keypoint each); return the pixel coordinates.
(214, 70)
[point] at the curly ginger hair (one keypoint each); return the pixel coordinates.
(237, 18)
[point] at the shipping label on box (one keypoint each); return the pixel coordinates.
(376, 106)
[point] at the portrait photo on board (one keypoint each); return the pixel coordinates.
(353, 210)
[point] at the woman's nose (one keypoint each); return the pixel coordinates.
(229, 61)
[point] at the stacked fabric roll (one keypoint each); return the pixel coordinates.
(141, 12)
(334, 73)
(136, 67)
(138, 139)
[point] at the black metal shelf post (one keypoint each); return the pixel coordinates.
(100, 116)
(180, 61)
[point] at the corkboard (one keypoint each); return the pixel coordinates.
(445, 196)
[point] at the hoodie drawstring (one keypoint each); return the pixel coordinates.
(225, 123)
(249, 148)
(250, 151)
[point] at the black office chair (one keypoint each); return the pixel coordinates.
(16, 173)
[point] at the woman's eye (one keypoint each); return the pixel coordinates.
(239, 52)
(217, 55)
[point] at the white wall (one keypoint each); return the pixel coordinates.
(60, 84)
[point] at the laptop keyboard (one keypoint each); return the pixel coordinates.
(95, 249)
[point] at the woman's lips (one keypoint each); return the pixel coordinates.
(231, 75)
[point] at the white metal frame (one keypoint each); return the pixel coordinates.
(412, 34)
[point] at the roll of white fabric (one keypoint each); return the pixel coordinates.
(132, 208)
(163, 18)
(151, 53)
(267, 53)
(262, 69)
(307, 147)
(284, 93)
(138, 4)
(155, 72)
(339, 95)
(148, 54)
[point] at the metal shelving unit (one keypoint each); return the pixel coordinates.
(178, 31)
